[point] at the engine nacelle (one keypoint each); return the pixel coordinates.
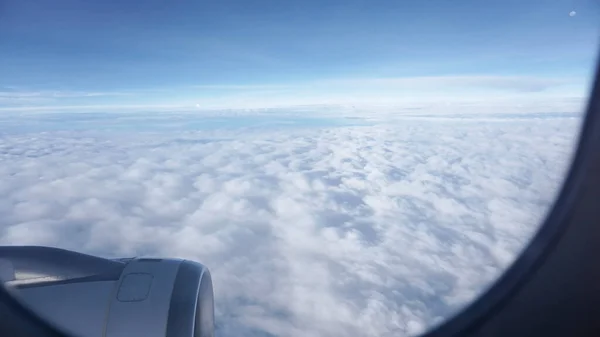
(89, 296)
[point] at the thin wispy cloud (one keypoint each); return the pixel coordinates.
(59, 94)
(251, 87)
(327, 91)
(513, 83)
(27, 99)
(425, 83)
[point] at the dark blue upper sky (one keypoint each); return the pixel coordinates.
(85, 50)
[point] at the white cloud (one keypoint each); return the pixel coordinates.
(517, 83)
(399, 91)
(13, 99)
(379, 107)
(429, 83)
(14, 94)
(378, 230)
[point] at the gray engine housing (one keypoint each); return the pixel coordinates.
(89, 296)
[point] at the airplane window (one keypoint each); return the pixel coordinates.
(342, 168)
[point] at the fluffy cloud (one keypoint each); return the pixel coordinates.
(374, 230)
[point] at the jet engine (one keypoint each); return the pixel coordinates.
(89, 296)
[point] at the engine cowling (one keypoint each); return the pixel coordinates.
(89, 296)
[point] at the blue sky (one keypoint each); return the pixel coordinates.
(158, 53)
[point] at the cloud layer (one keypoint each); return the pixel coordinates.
(379, 230)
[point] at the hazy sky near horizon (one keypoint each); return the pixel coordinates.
(115, 53)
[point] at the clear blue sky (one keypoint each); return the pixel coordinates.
(163, 52)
